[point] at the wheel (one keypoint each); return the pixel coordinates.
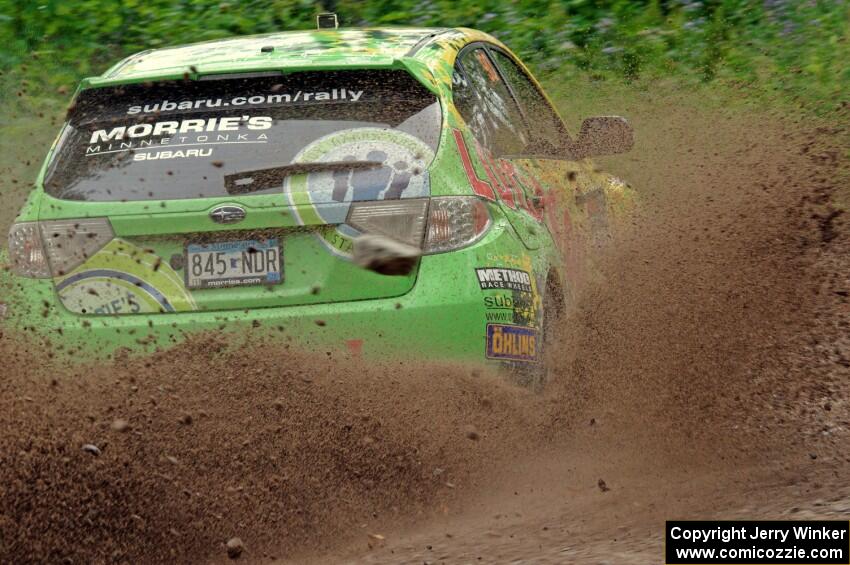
(535, 376)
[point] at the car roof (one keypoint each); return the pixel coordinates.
(337, 48)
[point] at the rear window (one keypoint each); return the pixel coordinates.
(181, 139)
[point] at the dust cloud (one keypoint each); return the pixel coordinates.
(707, 353)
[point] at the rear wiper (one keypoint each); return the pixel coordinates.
(265, 179)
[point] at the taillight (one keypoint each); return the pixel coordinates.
(455, 222)
(402, 220)
(435, 225)
(69, 243)
(42, 249)
(26, 251)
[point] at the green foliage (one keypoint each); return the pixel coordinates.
(795, 48)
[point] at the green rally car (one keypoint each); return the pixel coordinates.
(225, 186)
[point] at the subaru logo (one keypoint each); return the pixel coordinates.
(228, 215)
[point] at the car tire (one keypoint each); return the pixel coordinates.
(535, 376)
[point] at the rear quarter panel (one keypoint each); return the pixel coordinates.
(581, 204)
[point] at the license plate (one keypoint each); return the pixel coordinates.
(234, 263)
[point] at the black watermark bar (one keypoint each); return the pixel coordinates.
(745, 542)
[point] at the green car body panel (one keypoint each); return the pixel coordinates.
(546, 213)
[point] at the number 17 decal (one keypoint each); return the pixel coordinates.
(479, 187)
(503, 176)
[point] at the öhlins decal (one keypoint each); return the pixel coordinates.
(514, 343)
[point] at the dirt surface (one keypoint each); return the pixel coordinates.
(702, 372)
(704, 375)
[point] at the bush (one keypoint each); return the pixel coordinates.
(796, 48)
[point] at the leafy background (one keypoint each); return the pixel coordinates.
(797, 50)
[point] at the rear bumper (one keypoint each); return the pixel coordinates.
(442, 317)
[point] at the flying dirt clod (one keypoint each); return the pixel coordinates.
(384, 255)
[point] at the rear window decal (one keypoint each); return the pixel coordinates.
(182, 139)
(185, 133)
(232, 123)
(298, 96)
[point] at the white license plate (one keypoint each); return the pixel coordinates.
(234, 263)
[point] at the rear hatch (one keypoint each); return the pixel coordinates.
(235, 192)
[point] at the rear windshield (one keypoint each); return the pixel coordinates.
(182, 139)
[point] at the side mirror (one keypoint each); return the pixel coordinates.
(604, 135)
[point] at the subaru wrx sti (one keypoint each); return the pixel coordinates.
(225, 185)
